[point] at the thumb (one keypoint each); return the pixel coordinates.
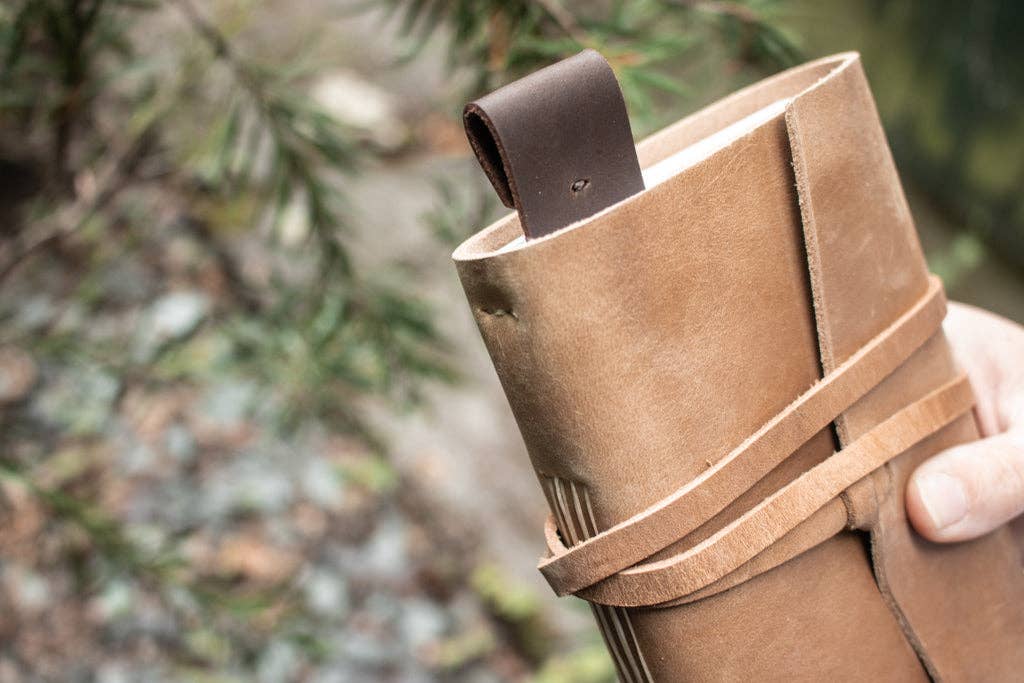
(968, 490)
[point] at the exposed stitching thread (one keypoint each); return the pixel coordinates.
(616, 627)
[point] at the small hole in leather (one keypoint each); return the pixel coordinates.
(579, 185)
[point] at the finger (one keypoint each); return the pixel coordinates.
(968, 490)
(988, 347)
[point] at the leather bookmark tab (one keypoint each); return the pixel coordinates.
(556, 144)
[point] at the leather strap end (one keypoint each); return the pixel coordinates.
(556, 145)
(486, 145)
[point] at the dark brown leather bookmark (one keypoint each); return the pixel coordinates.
(556, 144)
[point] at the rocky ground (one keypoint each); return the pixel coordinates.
(160, 527)
(157, 520)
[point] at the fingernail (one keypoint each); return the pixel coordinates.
(943, 496)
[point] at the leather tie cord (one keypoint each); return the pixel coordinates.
(670, 519)
(756, 530)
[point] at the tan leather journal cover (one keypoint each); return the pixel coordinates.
(724, 381)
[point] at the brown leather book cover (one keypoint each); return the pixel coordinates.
(724, 380)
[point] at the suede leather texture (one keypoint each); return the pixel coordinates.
(766, 528)
(640, 346)
(721, 484)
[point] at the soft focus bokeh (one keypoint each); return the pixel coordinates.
(248, 430)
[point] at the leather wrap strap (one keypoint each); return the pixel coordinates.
(665, 581)
(571, 570)
(556, 144)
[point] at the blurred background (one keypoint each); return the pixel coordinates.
(248, 430)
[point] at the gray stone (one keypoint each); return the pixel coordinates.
(179, 443)
(172, 317)
(338, 672)
(250, 482)
(422, 622)
(115, 672)
(35, 312)
(326, 594)
(137, 458)
(30, 591)
(367, 650)
(321, 483)
(115, 600)
(413, 673)
(78, 398)
(174, 504)
(71, 319)
(384, 555)
(228, 403)
(127, 281)
(280, 661)
(383, 606)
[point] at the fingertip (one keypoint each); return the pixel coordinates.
(936, 504)
(968, 490)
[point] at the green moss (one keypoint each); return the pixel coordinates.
(508, 598)
(589, 664)
(516, 606)
(458, 651)
(207, 645)
(372, 473)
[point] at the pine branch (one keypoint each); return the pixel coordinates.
(565, 20)
(113, 178)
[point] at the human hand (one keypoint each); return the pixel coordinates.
(969, 490)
